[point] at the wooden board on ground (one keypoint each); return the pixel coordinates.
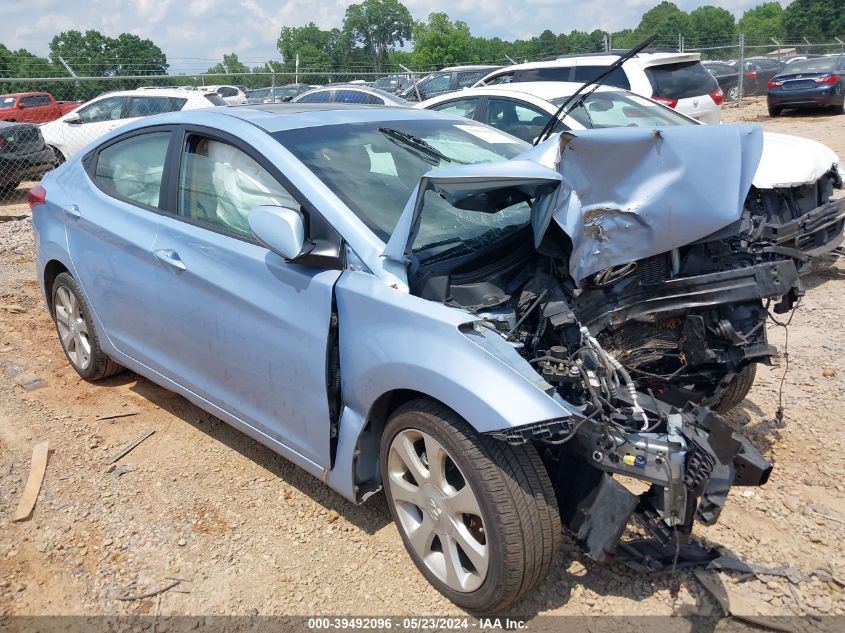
(33, 483)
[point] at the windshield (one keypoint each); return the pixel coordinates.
(617, 109)
(373, 167)
(816, 65)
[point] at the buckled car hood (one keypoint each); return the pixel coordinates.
(619, 194)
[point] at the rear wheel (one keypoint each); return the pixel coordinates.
(478, 516)
(733, 93)
(76, 331)
(774, 111)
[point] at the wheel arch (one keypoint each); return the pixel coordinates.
(52, 269)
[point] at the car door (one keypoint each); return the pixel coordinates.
(111, 228)
(95, 120)
(239, 326)
(36, 109)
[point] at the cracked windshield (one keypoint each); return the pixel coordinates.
(374, 167)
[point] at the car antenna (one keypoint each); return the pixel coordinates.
(552, 123)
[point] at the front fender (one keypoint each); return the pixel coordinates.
(391, 340)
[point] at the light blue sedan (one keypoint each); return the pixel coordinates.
(359, 290)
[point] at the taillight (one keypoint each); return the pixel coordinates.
(775, 84)
(829, 80)
(37, 195)
(666, 101)
(718, 96)
(751, 74)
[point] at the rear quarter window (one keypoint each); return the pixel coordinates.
(681, 80)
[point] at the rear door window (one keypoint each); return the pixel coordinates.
(544, 74)
(681, 80)
(35, 100)
(147, 106)
(133, 168)
(323, 96)
(356, 96)
(617, 78)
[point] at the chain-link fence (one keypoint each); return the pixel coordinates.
(46, 120)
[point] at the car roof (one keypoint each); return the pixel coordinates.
(277, 117)
(158, 92)
(605, 59)
(471, 67)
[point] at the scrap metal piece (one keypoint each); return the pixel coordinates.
(125, 450)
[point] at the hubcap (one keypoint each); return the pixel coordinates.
(73, 332)
(437, 510)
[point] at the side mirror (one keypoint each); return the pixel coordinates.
(279, 229)
(21, 105)
(72, 117)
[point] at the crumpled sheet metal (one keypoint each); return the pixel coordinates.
(629, 193)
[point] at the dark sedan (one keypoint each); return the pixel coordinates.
(727, 76)
(23, 155)
(808, 84)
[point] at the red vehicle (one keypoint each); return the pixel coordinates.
(33, 107)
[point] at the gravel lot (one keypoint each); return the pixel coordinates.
(250, 533)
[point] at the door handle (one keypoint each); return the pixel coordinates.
(72, 211)
(171, 258)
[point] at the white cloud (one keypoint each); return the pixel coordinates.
(205, 29)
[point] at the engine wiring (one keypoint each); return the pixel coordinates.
(785, 325)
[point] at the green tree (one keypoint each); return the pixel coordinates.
(665, 19)
(814, 19)
(379, 26)
(230, 65)
(708, 25)
(309, 41)
(93, 54)
(762, 22)
(440, 42)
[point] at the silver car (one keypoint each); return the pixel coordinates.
(384, 297)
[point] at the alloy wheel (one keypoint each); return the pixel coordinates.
(438, 510)
(73, 331)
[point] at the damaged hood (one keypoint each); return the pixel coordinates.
(789, 161)
(620, 194)
(630, 193)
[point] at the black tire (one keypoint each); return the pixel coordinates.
(735, 392)
(100, 365)
(840, 109)
(60, 158)
(733, 93)
(774, 111)
(514, 494)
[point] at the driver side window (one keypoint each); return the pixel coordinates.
(109, 109)
(219, 184)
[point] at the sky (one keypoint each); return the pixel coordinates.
(194, 32)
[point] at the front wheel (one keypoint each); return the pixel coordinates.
(733, 93)
(76, 331)
(478, 516)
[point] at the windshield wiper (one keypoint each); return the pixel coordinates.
(547, 130)
(421, 145)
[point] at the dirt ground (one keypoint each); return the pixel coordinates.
(251, 534)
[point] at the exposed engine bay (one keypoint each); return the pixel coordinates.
(688, 454)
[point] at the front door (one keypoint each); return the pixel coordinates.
(239, 326)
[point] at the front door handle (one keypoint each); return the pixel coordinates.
(72, 211)
(171, 258)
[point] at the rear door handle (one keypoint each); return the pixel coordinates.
(171, 258)
(72, 211)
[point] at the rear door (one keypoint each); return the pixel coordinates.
(237, 325)
(111, 227)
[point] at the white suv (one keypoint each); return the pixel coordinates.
(675, 79)
(230, 94)
(73, 131)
